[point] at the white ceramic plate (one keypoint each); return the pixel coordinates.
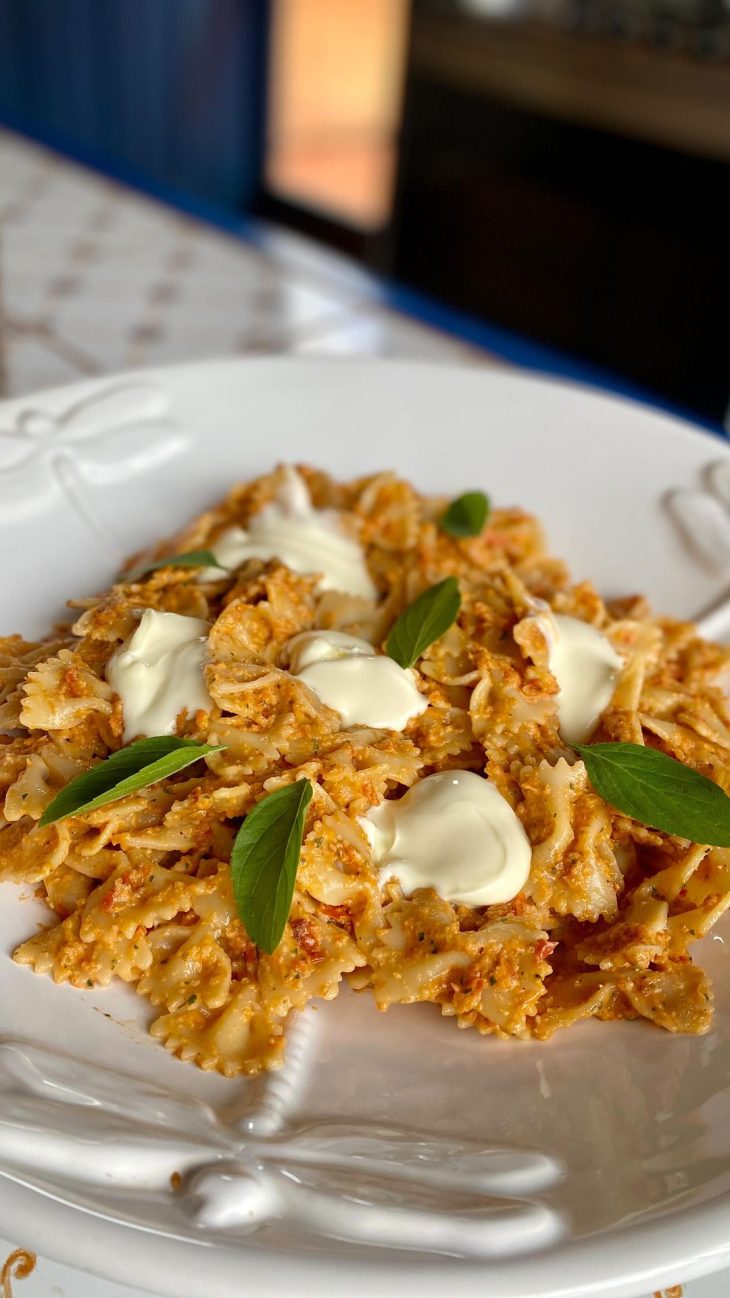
(597, 1162)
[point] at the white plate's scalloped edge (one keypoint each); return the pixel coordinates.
(653, 1256)
(455, 1192)
(84, 1132)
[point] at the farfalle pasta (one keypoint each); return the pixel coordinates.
(141, 889)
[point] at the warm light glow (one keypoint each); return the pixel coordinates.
(335, 102)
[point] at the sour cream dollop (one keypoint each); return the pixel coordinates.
(158, 671)
(453, 832)
(585, 665)
(306, 539)
(347, 674)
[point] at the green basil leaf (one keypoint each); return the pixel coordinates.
(264, 862)
(466, 515)
(659, 791)
(140, 764)
(190, 559)
(424, 621)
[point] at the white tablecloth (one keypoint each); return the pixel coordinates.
(95, 278)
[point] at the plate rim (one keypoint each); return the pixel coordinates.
(517, 1278)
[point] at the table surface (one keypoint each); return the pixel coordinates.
(95, 278)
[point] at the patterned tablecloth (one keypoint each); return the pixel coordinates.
(95, 278)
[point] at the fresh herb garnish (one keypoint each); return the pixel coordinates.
(427, 618)
(264, 862)
(659, 791)
(140, 764)
(466, 515)
(190, 559)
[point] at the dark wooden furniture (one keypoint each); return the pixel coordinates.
(575, 189)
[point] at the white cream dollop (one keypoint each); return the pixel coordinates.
(453, 832)
(306, 539)
(158, 671)
(347, 674)
(585, 665)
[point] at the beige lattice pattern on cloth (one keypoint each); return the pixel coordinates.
(97, 278)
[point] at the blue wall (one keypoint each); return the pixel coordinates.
(173, 90)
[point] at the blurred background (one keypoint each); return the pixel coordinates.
(539, 182)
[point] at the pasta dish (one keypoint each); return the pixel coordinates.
(453, 845)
